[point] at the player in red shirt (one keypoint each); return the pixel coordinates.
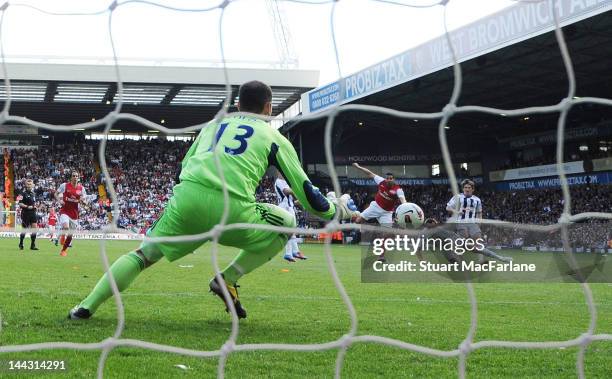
(69, 195)
(51, 222)
(389, 195)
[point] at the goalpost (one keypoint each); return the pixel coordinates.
(351, 337)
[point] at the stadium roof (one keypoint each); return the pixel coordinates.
(509, 60)
(181, 96)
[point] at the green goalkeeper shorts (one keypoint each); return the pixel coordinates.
(194, 209)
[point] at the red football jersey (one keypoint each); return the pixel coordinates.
(72, 195)
(386, 197)
(52, 219)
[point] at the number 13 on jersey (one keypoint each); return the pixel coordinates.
(240, 138)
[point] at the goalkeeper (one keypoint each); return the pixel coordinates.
(245, 145)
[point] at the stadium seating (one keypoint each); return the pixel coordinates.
(512, 162)
(541, 206)
(144, 172)
(50, 166)
(2, 169)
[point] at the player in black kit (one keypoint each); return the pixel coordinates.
(28, 213)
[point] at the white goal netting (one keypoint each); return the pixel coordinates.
(469, 344)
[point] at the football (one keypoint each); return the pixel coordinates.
(409, 215)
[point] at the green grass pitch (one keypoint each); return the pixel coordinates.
(289, 303)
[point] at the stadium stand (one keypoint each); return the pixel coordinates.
(145, 171)
(536, 206)
(3, 198)
(2, 171)
(50, 166)
(519, 161)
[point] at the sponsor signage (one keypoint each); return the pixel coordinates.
(550, 138)
(412, 181)
(536, 171)
(373, 79)
(602, 164)
(18, 130)
(506, 27)
(18, 147)
(94, 236)
(402, 158)
(598, 178)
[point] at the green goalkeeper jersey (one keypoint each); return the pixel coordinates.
(246, 146)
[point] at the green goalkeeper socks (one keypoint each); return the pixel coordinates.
(125, 270)
(247, 261)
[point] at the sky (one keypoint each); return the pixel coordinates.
(366, 31)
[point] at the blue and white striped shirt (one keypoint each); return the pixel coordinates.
(466, 208)
(284, 201)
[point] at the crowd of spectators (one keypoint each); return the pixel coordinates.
(144, 173)
(4, 202)
(1, 172)
(545, 206)
(49, 167)
(541, 207)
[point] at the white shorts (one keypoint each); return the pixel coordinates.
(65, 219)
(383, 217)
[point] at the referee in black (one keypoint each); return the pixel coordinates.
(28, 213)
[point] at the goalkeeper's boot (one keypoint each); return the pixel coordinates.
(299, 255)
(215, 287)
(288, 258)
(79, 313)
(64, 252)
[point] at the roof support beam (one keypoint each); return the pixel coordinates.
(232, 97)
(171, 94)
(110, 93)
(50, 92)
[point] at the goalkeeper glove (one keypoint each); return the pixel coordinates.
(342, 209)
